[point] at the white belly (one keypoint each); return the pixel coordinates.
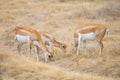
(87, 36)
(22, 39)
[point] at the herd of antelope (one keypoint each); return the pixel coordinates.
(45, 42)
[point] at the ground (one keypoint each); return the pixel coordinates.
(60, 18)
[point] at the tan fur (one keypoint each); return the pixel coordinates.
(33, 33)
(97, 28)
(55, 42)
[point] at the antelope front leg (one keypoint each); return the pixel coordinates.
(30, 46)
(78, 46)
(44, 57)
(36, 52)
(52, 48)
(100, 47)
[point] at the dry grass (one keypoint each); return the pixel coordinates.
(19, 67)
(59, 17)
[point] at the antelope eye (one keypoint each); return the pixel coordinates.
(63, 46)
(49, 56)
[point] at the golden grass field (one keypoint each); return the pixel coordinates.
(60, 17)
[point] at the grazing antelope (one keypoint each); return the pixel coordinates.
(34, 36)
(26, 39)
(90, 31)
(50, 40)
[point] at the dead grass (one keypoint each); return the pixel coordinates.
(112, 9)
(19, 67)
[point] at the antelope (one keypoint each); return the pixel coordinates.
(89, 31)
(26, 39)
(34, 36)
(50, 40)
